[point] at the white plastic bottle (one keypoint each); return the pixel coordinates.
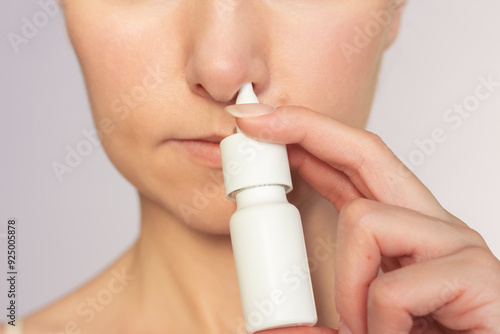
(266, 233)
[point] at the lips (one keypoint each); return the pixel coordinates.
(204, 151)
(212, 139)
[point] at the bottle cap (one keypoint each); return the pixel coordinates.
(247, 162)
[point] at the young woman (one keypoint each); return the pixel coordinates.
(162, 77)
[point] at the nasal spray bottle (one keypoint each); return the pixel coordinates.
(266, 232)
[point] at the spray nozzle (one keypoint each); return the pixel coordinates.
(247, 162)
(246, 95)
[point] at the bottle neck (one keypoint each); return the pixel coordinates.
(261, 195)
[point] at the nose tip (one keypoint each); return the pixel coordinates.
(222, 97)
(221, 79)
(224, 54)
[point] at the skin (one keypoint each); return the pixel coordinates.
(347, 184)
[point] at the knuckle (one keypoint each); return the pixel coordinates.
(375, 141)
(383, 293)
(357, 212)
(474, 236)
(371, 147)
(481, 257)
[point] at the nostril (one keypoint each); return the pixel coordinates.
(224, 95)
(200, 90)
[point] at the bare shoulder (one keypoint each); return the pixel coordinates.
(85, 308)
(53, 317)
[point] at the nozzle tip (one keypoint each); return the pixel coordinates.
(246, 94)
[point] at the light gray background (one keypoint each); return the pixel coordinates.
(70, 231)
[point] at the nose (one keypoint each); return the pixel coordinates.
(226, 40)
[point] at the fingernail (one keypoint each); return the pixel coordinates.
(343, 328)
(249, 110)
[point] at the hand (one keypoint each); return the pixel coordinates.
(439, 275)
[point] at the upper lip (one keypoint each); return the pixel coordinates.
(213, 139)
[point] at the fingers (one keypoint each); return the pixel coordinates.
(367, 162)
(404, 230)
(458, 290)
(330, 183)
(368, 230)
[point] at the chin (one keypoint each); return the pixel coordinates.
(211, 217)
(200, 204)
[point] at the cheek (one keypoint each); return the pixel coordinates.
(352, 81)
(132, 97)
(122, 82)
(105, 53)
(331, 71)
(119, 52)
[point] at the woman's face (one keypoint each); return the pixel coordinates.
(160, 72)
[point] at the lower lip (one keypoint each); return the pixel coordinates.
(199, 151)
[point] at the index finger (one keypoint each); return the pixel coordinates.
(366, 160)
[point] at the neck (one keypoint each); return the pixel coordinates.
(186, 279)
(186, 274)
